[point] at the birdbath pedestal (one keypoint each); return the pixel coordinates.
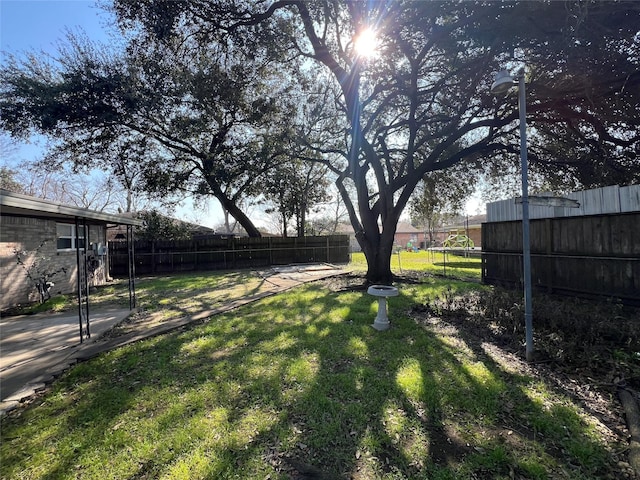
(382, 292)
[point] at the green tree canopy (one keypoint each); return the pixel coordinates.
(183, 121)
(292, 190)
(421, 104)
(440, 196)
(427, 90)
(161, 227)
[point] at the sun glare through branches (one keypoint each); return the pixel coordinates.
(367, 43)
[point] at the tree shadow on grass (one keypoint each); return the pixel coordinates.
(529, 411)
(207, 294)
(298, 386)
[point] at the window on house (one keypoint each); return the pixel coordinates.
(66, 236)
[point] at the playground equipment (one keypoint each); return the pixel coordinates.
(458, 239)
(411, 247)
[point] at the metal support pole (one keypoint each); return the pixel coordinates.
(526, 245)
(82, 278)
(80, 265)
(355, 118)
(132, 267)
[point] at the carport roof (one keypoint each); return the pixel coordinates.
(26, 206)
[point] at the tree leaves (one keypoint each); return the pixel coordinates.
(201, 113)
(213, 86)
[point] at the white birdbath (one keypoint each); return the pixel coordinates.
(382, 292)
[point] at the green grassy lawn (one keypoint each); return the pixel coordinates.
(300, 380)
(165, 294)
(435, 263)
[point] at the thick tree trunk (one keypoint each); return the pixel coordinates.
(378, 248)
(379, 268)
(379, 264)
(302, 220)
(242, 219)
(129, 205)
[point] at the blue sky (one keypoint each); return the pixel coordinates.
(39, 24)
(27, 25)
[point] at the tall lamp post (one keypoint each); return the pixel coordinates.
(502, 84)
(355, 117)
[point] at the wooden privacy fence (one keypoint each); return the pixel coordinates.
(593, 255)
(219, 253)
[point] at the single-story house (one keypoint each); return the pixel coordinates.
(405, 233)
(66, 245)
(467, 225)
(407, 236)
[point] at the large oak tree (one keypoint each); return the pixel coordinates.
(422, 104)
(183, 120)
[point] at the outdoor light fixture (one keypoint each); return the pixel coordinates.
(501, 85)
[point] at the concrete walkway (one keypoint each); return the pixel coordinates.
(35, 349)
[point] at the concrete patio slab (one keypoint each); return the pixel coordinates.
(35, 349)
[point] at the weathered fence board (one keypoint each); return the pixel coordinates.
(594, 255)
(217, 253)
(598, 201)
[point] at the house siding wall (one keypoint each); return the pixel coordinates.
(403, 238)
(26, 234)
(400, 239)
